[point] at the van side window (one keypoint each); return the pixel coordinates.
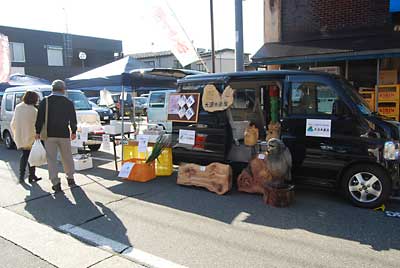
(9, 102)
(312, 98)
(18, 98)
(157, 100)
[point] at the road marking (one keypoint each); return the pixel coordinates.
(126, 251)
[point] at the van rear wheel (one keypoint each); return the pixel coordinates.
(8, 141)
(366, 186)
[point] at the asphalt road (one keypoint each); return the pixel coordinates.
(195, 228)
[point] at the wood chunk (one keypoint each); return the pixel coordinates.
(278, 196)
(253, 178)
(215, 177)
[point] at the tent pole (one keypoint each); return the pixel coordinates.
(122, 121)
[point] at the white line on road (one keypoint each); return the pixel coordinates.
(127, 251)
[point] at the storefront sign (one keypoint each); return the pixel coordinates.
(183, 107)
(327, 69)
(318, 128)
(213, 101)
(187, 136)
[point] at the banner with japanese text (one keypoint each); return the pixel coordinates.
(173, 33)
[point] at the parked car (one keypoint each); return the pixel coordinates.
(85, 115)
(157, 110)
(105, 113)
(95, 100)
(140, 105)
(334, 139)
(117, 104)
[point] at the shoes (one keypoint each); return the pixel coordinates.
(34, 179)
(56, 188)
(71, 182)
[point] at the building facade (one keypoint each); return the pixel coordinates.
(224, 60)
(359, 38)
(52, 55)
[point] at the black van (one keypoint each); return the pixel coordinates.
(335, 140)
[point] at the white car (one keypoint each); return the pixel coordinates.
(86, 117)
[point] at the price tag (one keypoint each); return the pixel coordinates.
(126, 170)
(202, 168)
(143, 141)
(106, 142)
(84, 134)
(261, 156)
(187, 136)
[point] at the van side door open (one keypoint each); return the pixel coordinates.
(321, 140)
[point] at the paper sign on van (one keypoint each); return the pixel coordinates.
(318, 128)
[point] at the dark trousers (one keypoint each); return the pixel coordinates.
(23, 163)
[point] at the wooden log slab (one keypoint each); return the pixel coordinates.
(253, 178)
(278, 195)
(215, 177)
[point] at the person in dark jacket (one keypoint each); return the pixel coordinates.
(61, 129)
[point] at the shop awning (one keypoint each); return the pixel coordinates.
(329, 49)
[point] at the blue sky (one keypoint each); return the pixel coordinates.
(127, 20)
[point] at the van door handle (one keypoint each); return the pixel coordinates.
(325, 147)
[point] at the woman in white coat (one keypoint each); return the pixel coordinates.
(23, 128)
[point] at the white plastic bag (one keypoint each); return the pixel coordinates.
(37, 157)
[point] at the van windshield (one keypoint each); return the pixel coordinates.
(80, 101)
(355, 97)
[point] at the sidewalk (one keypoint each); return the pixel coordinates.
(56, 248)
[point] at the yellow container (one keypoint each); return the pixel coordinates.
(132, 151)
(369, 98)
(389, 93)
(164, 164)
(388, 108)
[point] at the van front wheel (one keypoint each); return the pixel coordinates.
(94, 147)
(366, 186)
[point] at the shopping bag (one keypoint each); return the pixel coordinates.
(37, 156)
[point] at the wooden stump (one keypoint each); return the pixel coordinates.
(278, 196)
(215, 177)
(253, 178)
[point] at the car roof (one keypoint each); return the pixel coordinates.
(224, 77)
(162, 91)
(36, 88)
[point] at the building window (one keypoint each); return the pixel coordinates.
(151, 63)
(17, 51)
(55, 56)
(201, 67)
(177, 64)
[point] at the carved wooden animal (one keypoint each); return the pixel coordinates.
(279, 161)
(274, 131)
(215, 177)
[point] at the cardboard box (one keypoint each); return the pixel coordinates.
(83, 163)
(388, 77)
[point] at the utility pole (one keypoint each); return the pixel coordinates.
(239, 35)
(212, 37)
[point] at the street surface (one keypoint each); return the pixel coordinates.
(161, 224)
